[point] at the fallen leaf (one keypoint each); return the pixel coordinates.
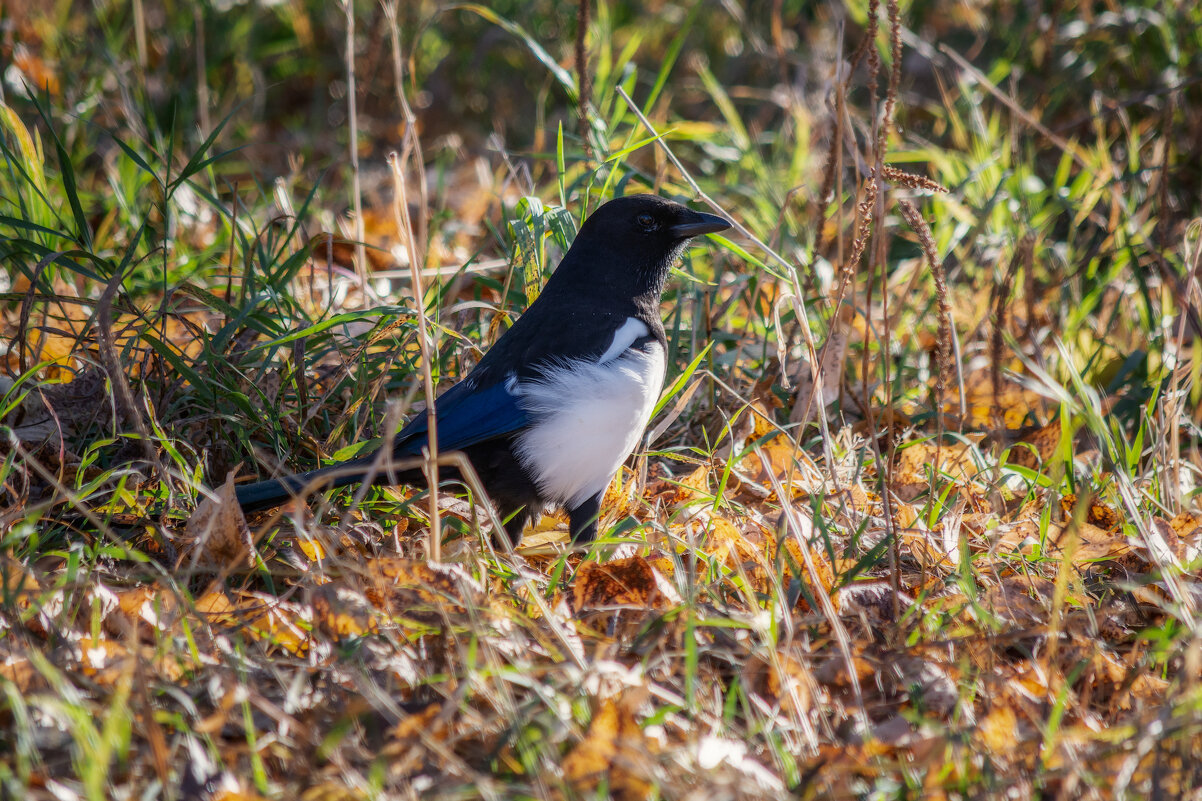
(1017, 405)
(783, 681)
(1033, 447)
(216, 535)
(425, 592)
(1094, 544)
(614, 750)
(341, 612)
(915, 463)
(406, 747)
(1098, 514)
(631, 582)
(1022, 600)
(998, 730)
(55, 413)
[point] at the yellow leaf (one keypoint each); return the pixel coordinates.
(31, 152)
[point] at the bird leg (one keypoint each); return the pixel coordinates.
(582, 521)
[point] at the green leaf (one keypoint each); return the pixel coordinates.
(83, 231)
(681, 380)
(560, 165)
(327, 324)
(639, 144)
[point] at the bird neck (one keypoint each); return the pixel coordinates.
(594, 279)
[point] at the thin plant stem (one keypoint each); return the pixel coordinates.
(352, 113)
(405, 226)
(413, 145)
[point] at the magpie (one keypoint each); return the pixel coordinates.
(552, 410)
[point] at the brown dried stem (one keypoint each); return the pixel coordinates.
(401, 209)
(583, 80)
(352, 113)
(409, 136)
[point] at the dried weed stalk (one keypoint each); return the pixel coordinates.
(126, 407)
(352, 113)
(404, 223)
(911, 181)
(886, 121)
(834, 164)
(1000, 298)
(410, 133)
(944, 338)
(863, 229)
(583, 81)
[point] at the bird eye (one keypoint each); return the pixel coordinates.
(646, 222)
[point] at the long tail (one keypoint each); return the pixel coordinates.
(275, 491)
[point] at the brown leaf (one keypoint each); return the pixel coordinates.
(417, 724)
(1021, 536)
(341, 612)
(151, 608)
(783, 681)
(781, 458)
(914, 464)
(794, 564)
(101, 658)
(405, 749)
(619, 495)
(729, 545)
(326, 248)
(1023, 600)
(629, 582)
(1017, 404)
(873, 600)
(614, 750)
(216, 606)
(1035, 446)
(276, 622)
(1188, 528)
(21, 672)
(998, 731)
(423, 591)
(37, 73)
(18, 587)
(1098, 514)
(693, 487)
(56, 413)
(1093, 544)
(832, 671)
(217, 535)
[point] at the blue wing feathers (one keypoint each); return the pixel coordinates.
(466, 416)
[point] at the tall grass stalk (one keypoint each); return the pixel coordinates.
(352, 113)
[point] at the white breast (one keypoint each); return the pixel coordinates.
(589, 416)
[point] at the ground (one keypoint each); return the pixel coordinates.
(916, 516)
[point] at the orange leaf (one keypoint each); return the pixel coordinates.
(998, 732)
(622, 582)
(614, 750)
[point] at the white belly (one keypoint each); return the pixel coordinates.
(589, 416)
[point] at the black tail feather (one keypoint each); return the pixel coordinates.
(277, 491)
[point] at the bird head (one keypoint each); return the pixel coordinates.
(629, 244)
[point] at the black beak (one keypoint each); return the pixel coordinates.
(699, 223)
